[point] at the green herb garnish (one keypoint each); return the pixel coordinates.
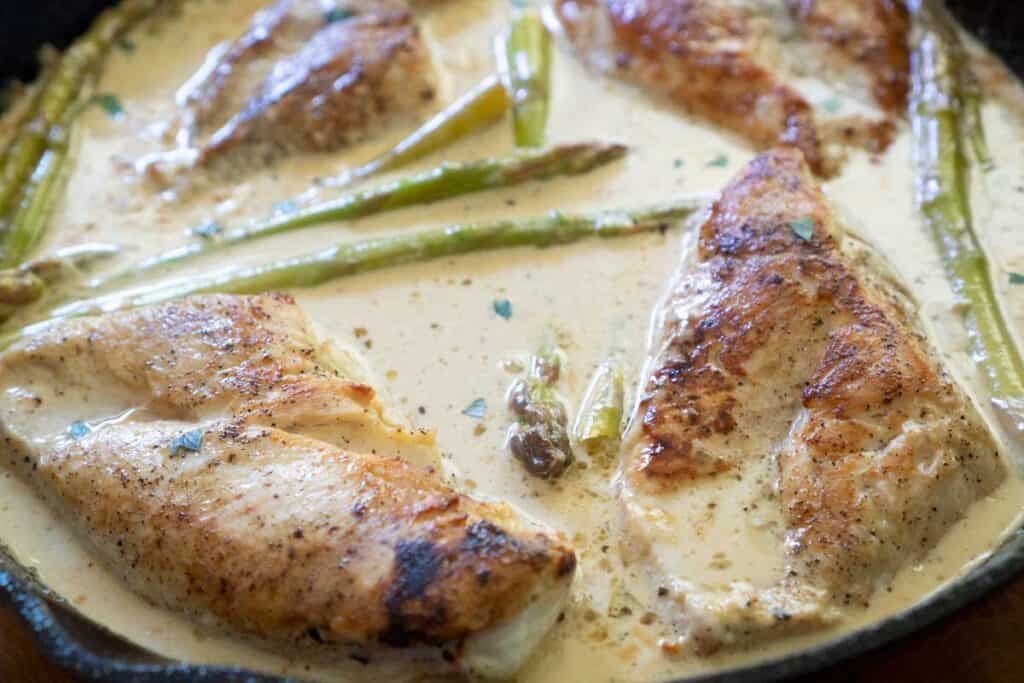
(284, 208)
(477, 409)
(78, 429)
(207, 230)
(110, 104)
(503, 308)
(125, 44)
(190, 441)
(720, 161)
(803, 228)
(678, 163)
(338, 14)
(832, 105)
(1016, 278)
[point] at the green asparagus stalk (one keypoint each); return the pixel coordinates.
(443, 182)
(539, 437)
(12, 115)
(19, 162)
(25, 103)
(358, 257)
(967, 83)
(941, 165)
(483, 105)
(29, 222)
(972, 123)
(524, 61)
(61, 90)
(598, 426)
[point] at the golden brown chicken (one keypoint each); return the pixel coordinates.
(872, 36)
(308, 78)
(701, 54)
(786, 369)
(228, 462)
(716, 59)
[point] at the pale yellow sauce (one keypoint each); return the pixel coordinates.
(436, 344)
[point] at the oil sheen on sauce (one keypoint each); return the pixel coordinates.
(431, 334)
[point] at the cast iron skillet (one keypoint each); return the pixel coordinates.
(94, 654)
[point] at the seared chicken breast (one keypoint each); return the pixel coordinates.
(717, 59)
(309, 75)
(704, 55)
(228, 462)
(788, 379)
(871, 36)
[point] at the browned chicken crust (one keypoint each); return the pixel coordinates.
(300, 80)
(702, 54)
(776, 342)
(275, 532)
(872, 35)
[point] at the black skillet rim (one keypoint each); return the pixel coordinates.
(997, 25)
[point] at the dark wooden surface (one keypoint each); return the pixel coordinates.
(982, 644)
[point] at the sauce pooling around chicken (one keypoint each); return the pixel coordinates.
(443, 358)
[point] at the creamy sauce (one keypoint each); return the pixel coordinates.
(432, 337)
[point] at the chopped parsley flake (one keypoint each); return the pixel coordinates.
(678, 163)
(720, 161)
(1016, 278)
(503, 308)
(803, 228)
(189, 441)
(338, 14)
(832, 105)
(110, 104)
(284, 208)
(78, 429)
(125, 44)
(476, 410)
(207, 230)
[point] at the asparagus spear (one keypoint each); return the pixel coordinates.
(524, 61)
(22, 155)
(24, 102)
(598, 426)
(16, 105)
(972, 123)
(60, 90)
(358, 257)
(29, 221)
(539, 438)
(39, 195)
(941, 167)
(443, 182)
(968, 85)
(484, 104)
